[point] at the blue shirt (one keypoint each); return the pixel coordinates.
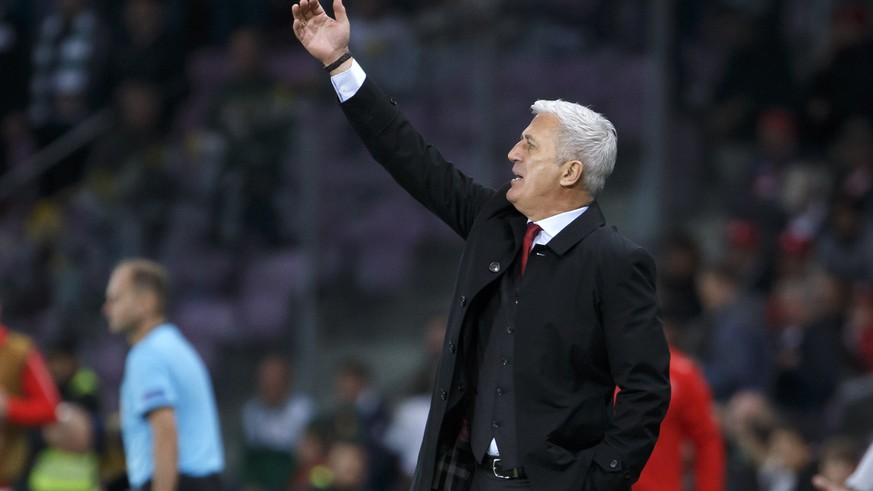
(164, 370)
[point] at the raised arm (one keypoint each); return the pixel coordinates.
(326, 39)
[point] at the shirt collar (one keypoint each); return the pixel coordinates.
(553, 225)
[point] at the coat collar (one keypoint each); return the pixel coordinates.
(578, 229)
(573, 233)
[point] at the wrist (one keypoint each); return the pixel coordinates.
(339, 63)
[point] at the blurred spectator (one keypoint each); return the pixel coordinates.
(150, 52)
(312, 470)
(349, 468)
(748, 254)
(67, 83)
(794, 259)
(77, 384)
(804, 199)
(807, 355)
(845, 247)
(273, 423)
(65, 442)
(788, 463)
(129, 175)
(747, 422)
(362, 416)
(28, 398)
(251, 112)
(732, 343)
(69, 461)
(690, 436)
(833, 301)
(840, 88)
(763, 197)
(776, 148)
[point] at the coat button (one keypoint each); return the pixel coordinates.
(509, 329)
(494, 267)
(452, 348)
(443, 395)
(393, 101)
(461, 387)
(613, 464)
(504, 361)
(463, 300)
(500, 391)
(495, 424)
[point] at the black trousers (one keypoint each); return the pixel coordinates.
(189, 483)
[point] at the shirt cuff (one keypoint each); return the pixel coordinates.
(347, 83)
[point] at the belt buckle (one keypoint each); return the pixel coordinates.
(494, 465)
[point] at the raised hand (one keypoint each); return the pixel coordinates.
(324, 38)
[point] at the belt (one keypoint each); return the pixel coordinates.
(495, 466)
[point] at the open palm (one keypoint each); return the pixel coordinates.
(324, 38)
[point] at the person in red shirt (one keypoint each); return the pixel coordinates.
(690, 424)
(28, 398)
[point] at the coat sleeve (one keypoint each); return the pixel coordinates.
(36, 406)
(417, 166)
(639, 361)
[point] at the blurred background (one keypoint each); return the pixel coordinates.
(199, 133)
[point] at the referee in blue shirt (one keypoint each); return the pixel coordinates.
(169, 420)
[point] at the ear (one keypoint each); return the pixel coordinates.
(148, 300)
(571, 173)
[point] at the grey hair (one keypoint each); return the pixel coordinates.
(584, 135)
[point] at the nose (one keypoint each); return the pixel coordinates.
(513, 154)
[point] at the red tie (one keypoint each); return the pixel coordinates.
(532, 230)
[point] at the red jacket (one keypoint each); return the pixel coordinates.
(30, 397)
(690, 430)
(36, 403)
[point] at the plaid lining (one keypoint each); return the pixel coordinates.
(454, 469)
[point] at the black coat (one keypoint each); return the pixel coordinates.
(587, 321)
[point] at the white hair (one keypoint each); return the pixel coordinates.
(584, 135)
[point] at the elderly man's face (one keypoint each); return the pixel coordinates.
(536, 185)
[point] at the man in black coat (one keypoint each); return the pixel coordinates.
(525, 392)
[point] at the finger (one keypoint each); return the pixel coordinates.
(302, 9)
(339, 10)
(313, 8)
(316, 9)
